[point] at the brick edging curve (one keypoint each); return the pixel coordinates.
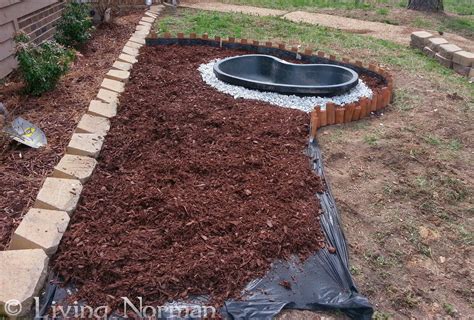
(333, 114)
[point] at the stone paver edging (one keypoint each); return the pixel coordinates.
(24, 265)
(449, 55)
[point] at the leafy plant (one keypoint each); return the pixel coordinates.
(75, 26)
(42, 65)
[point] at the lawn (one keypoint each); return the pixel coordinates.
(402, 179)
(460, 20)
(462, 7)
(318, 38)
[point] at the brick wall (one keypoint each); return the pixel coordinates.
(36, 18)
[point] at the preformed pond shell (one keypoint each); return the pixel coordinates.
(267, 73)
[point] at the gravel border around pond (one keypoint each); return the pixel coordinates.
(305, 104)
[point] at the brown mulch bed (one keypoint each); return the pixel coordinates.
(195, 192)
(22, 170)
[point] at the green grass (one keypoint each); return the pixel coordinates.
(379, 315)
(299, 4)
(449, 308)
(433, 140)
(463, 7)
(459, 24)
(317, 37)
(371, 139)
(383, 11)
(419, 22)
(405, 100)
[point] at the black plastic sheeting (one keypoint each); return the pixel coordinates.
(322, 283)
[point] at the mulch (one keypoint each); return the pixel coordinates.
(196, 193)
(23, 170)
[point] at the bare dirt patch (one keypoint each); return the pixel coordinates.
(403, 184)
(23, 170)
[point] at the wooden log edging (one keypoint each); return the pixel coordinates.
(334, 114)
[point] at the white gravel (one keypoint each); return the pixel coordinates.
(287, 101)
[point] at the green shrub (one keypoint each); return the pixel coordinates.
(41, 66)
(75, 26)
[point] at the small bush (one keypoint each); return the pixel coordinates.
(75, 26)
(41, 66)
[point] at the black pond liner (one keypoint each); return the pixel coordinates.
(322, 283)
(267, 73)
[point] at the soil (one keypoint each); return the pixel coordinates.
(403, 183)
(23, 170)
(196, 192)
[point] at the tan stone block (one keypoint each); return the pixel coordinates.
(460, 69)
(75, 167)
(133, 45)
(419, 39)
(443, 61)
(434, 43)
(113, 85)
(108, 96)
(447, 50)
(22, 275)
(40, 229)
(139, 40)
(463, 58)
(120, 65)
(471, 73)
(143, 23)
(142, 27)
(59, 194)
(421, 35)
(141, 33)
(148, 19)
(130, 51)
(118, 75)
(127, 58)
(151, 14)
(430, 53)
(93, 124)
(102, 109)
(156, 8)
(85, 144)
